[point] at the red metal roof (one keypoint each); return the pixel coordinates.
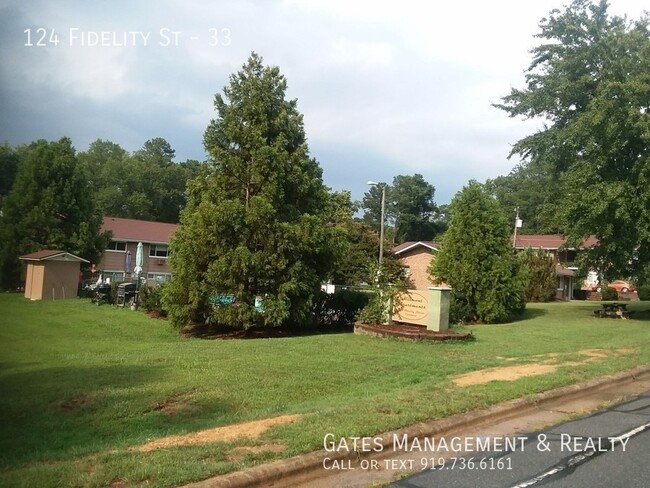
(550, 241)
(133, 230)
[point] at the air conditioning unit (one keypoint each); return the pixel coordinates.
(161, 262)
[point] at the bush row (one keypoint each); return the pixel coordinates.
(336, 309)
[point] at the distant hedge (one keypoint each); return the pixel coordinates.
(644, 292)
(609, 294)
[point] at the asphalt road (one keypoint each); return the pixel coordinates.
(608, 448)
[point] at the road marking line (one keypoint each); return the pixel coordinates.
(579, 458)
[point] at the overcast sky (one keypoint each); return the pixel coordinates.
(386, 87)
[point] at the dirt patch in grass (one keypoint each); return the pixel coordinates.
(552, 362)
(239, 453)
(175, 403)
(156, 315)
(228, 433)
(507, 373)
(75, 404)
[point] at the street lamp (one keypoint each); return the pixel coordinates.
(381, 226)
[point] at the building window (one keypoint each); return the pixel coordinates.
(113, 276)
(158, 251)
(159, 277)
(116, 246)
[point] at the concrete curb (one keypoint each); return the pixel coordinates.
(302, 465)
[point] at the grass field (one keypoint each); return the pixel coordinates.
(81, 386)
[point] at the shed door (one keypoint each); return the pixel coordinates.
(38, 274)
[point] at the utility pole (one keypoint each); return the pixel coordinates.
(518, 224)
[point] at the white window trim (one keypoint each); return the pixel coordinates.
(154, 246)
(152, 276)
(113, 273)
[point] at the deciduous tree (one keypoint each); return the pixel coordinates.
(531, 188)
(8, 170)
(146, 185)
(410, 209)
(353, 242)
(589, 80)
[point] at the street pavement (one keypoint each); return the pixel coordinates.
(608, 448)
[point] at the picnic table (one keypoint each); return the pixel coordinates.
(613, 310)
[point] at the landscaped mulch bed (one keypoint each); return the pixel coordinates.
(204, 331)
(409, 332)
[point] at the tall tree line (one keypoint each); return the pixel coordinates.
(52, 197)
(146, 185)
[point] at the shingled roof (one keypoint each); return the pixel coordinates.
(132, 230)
(550, 241)
(52, 255)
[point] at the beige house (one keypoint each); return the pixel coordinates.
(52, 274)
(126, 234)
(415, 257)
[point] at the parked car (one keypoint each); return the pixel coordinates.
(621, 286)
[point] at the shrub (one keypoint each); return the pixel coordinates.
(114, 285)
(539, 275)
(609, 293)
(340, 308)
(151, 299)
(644, 292)
(460, 311)
(376, 310)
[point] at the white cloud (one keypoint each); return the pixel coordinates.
(360, 55)
(407, 85)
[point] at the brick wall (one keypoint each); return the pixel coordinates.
(418, 261)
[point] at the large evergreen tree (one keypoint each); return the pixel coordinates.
(590, 82)
(254, 224)
(49, 207)
(476, 259)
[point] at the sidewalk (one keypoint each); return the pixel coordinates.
(323, 469)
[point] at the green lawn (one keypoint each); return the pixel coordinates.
(80, 385)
